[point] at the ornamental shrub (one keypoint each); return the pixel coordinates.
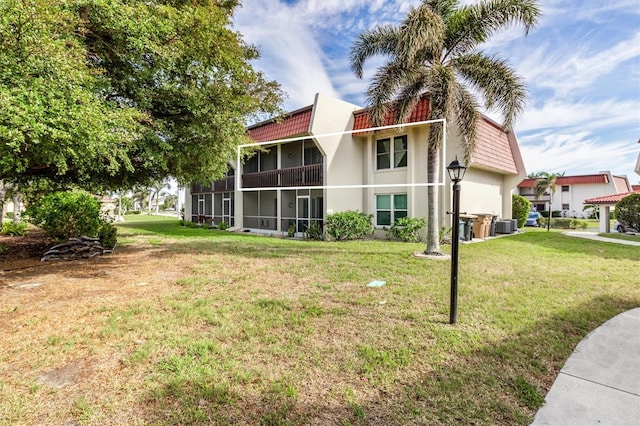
(520, 208)
(72, 214)
(349, 225)
(628, 211)
(407, 229)
(314, 231)
(13, 229)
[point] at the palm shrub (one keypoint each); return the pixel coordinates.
(71, 214)
(628, 211)
(520, 208)
(407, 229)
(13, 229)
(349, 225)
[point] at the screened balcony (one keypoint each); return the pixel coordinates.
(310, 175)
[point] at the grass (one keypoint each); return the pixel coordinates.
(274, 331)
(628, 237)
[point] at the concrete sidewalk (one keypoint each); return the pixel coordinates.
(600, 382)
(595, 236)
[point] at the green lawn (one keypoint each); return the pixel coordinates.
(283, 332)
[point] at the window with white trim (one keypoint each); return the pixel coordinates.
(391, 153)
(390, 207)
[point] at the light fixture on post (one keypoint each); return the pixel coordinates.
(456, 173)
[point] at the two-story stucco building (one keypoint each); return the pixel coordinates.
(330, 162)
(572, 191)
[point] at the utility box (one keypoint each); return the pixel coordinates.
(503, 227)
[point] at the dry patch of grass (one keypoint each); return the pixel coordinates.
(192, 326)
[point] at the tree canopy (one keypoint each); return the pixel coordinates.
(110, 93)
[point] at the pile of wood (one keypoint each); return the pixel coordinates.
(77, 248)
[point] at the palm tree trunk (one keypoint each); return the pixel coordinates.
(433, 232)
(550, 214)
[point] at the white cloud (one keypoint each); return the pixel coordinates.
(578, 153)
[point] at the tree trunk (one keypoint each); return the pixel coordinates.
(433, 231)
(17, 206)
(550, 214)
(3, 194)
(149, 206)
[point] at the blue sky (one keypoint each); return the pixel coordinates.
(581, 64)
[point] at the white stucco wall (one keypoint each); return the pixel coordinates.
(342, 153)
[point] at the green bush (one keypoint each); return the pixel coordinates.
(407, 229)
(520, 207)
(314, 232)
(108, 235)
(564, 223)
(223, 226)
(628, 211)
(65, 215)
(14, 229)
(349, 225)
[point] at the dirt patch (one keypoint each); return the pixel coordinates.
(52, 314)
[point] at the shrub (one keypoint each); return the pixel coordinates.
(628, 211)
(520, 209)
(314, 232)
(65, 215)
(349, 225)
(564, 223)
(407, 229)
(14, 229)
(108, 235)
(223, 226)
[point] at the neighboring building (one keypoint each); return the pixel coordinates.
(303, 165)
(572, 191)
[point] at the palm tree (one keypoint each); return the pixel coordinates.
(156, 190)
(546, 182)
(434, 52)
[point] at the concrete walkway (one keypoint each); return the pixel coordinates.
(595, 236)
(600, 382)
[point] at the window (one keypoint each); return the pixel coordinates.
(565, 207)
(391, 155)
(565, 188)
(390, 207)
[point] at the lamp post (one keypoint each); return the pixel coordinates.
(456, 173)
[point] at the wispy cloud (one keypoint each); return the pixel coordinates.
(577, 153)
(581, 63)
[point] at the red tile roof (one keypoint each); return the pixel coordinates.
(607, 199)
(621, 184)
(569, 180)
(361, 117)
(492, 148)
(492, 145)
(635, 188)
(294, 123)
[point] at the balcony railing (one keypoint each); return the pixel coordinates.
(282, 178)
(223, 185)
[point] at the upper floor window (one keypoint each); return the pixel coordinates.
(565, 188)
(391, 153)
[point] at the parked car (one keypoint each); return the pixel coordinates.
(532, 219)
(622, 227)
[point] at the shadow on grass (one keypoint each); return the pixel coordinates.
(502, 383)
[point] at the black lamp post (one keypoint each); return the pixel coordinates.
(456, 173)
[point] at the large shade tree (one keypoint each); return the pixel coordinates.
(107, 94)
(434, 52)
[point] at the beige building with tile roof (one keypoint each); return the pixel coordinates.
(325, 165)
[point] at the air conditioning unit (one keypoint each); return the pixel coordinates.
(503, 227)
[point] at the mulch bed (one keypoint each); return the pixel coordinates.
(27, 250)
